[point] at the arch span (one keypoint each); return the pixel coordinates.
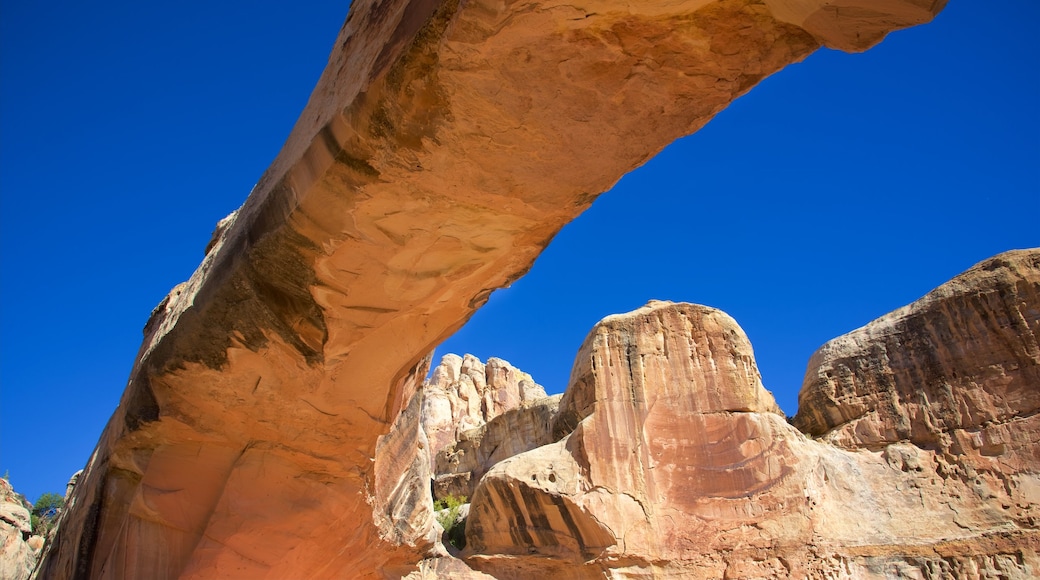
(444, 146)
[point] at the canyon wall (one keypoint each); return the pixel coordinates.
(443, 147)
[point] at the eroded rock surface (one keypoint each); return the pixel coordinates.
(680, 466)
(948, 371)
(460, 466)
(464, 393)
(19, 549)
(444, 146)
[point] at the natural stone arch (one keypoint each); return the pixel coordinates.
(444, 146)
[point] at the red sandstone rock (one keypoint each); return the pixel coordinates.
(444, 146)
(679, 467)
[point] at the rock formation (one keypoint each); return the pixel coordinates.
(678, 465)
(18, 547)
(464, 394)
(444, 146)
(460, 466)
(947, 372)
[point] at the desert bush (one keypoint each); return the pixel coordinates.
(447, 513)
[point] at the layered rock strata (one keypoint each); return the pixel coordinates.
(444, 146)
(678, 465)
(460, 466)
(946, 372)
(464, 393)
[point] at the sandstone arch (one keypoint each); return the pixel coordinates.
(444, 146)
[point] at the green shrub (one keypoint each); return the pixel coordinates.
(45, 513)
(456, 532)
(449, 502)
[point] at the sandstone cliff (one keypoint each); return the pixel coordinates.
(677, 464)
(947, 372)
(444, 146)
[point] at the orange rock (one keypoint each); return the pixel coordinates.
(680, 466)
(444, 146)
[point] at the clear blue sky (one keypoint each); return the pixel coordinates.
(836, 191)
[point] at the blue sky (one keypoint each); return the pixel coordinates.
(837, 190)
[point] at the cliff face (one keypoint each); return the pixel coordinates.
(19, 549)
(677, 463)
(444, 146)
(460, 466)
(948, 371)
(671, 418)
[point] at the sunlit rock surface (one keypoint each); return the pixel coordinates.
(443, 147)
(19, 549)
(679, 466)
(949, 371)
(464, 393)
(458, 467)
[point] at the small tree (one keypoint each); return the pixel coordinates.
(45, 512)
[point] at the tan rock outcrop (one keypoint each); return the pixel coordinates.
(444, 146)
(941, 372)
(458, 467)
(679, 466)
(19, 549)
(464, 393)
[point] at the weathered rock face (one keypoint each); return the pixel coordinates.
(18, 547)
(444, 146)
(653, 403)
(464, 394)
(460, 466)
(942, 372)
(402, 506)
(679, 466)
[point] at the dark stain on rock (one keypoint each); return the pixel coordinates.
(141, 406)
(422, 22)
(410, 103)
(380, 124)
(281, 273)
(518, 530)
(85, 551)
(481, 298)
(254, 291)
(343, 157)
